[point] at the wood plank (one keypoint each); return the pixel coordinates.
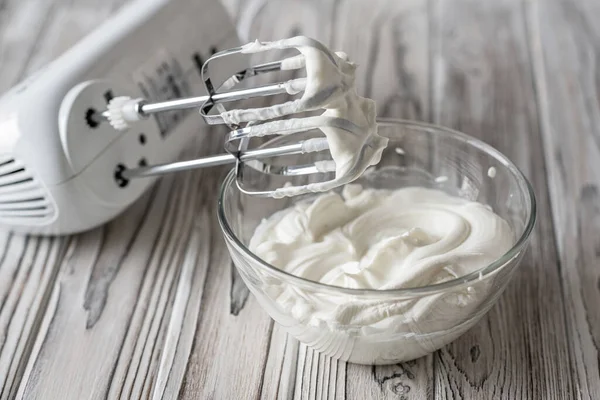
(29, 266)
(27, 273)
(129, 298)
(123, 291)
(565, 38)
(392, 53)
(22, 24)
(153, 300)
(484, 86)
(34, 32)
(71, 20)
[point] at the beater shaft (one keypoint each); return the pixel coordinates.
(347, 120)
(144, 109)
(213, 161)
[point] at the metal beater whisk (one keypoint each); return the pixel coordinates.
(123, 111)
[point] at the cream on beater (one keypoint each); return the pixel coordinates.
(330, 85)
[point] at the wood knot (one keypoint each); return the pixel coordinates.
(475, 353)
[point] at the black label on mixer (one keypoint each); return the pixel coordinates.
(162, 78)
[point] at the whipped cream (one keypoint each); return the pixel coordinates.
(381, 239)
(329, 85)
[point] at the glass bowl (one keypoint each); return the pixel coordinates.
(418, 154)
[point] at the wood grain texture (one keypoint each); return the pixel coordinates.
(125, 294)
(400, 83)
(149, 306)
(27, 273)
(565, 40)
(31, 34)
(484, 87)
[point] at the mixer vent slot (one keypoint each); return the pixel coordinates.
(21, 195)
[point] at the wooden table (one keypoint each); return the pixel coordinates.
(149, 306)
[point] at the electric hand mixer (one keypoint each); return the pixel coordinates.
(76, 134)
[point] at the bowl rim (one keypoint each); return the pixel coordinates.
(464, 280)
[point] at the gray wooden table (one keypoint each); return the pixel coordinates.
(149, 306)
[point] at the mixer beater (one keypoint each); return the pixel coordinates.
(64, 168)
(328, 85)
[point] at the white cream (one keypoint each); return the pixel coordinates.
(330, 85)
(381, 239)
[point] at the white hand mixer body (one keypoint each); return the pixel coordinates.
(69, 170)
(57, 162)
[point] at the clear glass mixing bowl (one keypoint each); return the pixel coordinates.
(418, 155)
